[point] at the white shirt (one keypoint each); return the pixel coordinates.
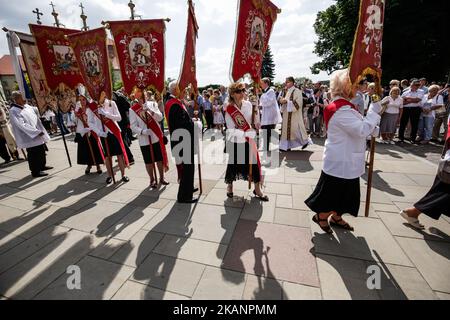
(112, 112)
(27, 127)
(137, 125)
(270, 111)
(393, 106)
(410, 94)
(427, 103)
(236, 135)
(344, 155)
(80, 126)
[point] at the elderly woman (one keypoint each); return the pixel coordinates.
(430, 103)
(338, 189)
(240, 142)
(436, 202)
(391, 116)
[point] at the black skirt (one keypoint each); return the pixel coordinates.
(84, 156)
(437, 201)
(238, 167)
(156, 153)
(335, 194)
(113, 144)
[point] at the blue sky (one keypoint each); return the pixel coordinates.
(292, 40)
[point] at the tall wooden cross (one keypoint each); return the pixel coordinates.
(38, 13)
(83, 17)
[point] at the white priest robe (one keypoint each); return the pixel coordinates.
(293, 131)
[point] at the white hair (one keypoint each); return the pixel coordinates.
(340, 84)
(15, 95)
(173, 87)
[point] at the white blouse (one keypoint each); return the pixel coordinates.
(138, 125)
(393, 106)
(112, 112)
(236, 135)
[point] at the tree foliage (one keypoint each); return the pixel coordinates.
(268, 66)
(415, 39)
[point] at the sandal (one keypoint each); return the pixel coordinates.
(318, 220)
(87, 171)
(153, 185)
(108, 180)
(336, 223)
(164, 183)
(262, 198)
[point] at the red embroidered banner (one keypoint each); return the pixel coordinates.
(188, 75)
(92, 56)
(140, 48)
(254, 26)
(367, 45)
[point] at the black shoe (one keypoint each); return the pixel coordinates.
(109, 180)
(193, 200)
(305, 146)
(47, 168)
(40, 174)
(87, 171)
(195, 190)
(262, 198)
(125, 179)
(131, 162)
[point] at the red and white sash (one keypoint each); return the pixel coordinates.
(113, 127)
(81, 114)
(331, 109)
(151, 124)
(242, 124)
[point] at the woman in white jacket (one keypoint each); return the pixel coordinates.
(338, 189)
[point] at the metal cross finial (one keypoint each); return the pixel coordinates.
(83, 18)
(55, 15)
(53, 6)
(131, 5)
(38, 13)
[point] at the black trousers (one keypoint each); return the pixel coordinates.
(209, 118)
(186, 189)
(269, 128)
(36, 159)
(4, 150)
(410, 114)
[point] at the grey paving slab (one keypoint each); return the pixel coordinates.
(100, 279)
(107, 248)
(133, 252)
(136, 291)
(219, 197)
(435, 230)
(257, 210)
(290, 217)
(8, 241)
(371, 241)
(29, 247)
(262, 288)
(294, 291)
(284, 201)
(19, 203)
(442, 296)
(432, 259)
(167, 273)
(220, 284)
(36, 272)
(202, 222)
(279, 188)
(205, 252)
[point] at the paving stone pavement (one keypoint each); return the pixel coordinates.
(133, 243)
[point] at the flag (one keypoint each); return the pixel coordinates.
(188, 70)
(92, 57)
(141, 53)
(367, 45)
(58, 60)
(13, 43)
(254, 26)
(35, 71)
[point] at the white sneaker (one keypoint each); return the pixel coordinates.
(412, 221)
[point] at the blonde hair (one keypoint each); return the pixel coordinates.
(340, 84)
(232, 90)
(395, 89)
(371, 86)
(434, 87)
(394, 83)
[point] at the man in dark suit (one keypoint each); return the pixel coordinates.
(181, 128)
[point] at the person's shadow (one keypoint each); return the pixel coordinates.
(245, 239)
(354, 272)
(156, 269)
(380, 184)
(298, 160)
(437, 240)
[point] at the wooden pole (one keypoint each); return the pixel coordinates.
(90, 149)
(370, 175)
(63, 135)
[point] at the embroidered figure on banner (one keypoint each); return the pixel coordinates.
(374, 30)
(256, 34)
(64, 60)
(91, 63)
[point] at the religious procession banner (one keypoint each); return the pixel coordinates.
(35, 71)
(58, 60)
(367, 45)
(92, 57)
(141, 52)
(254, 26)
(188, 74)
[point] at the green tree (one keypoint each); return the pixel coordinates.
(268, 66)
(415, 39)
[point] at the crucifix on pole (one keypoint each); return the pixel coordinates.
(55, 15)
(38, 13)
(131, 5)
(83, 17)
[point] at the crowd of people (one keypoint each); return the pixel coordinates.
(241, 113)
